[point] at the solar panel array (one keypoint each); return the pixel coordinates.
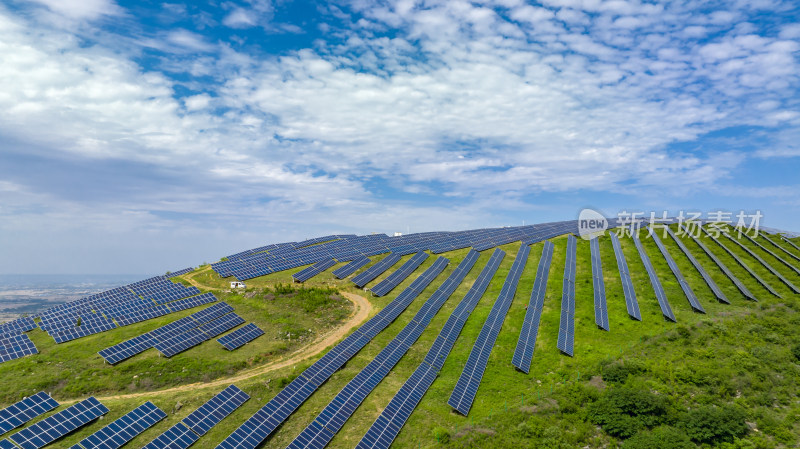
(25, 410)
(259, 426)
(772, 253)
(129, 348)
(566, 327)
(687, 290)
(710, 282)
(16, 346)
(394, 416)
(17, 326)
(178, 436)
(56, 426)
(742, 288)
(790, 243)
(743, 264)
(180, 272)
(169, 347)
(313, 270)
(320, 432)
(523, 354)
(376, 270)
(661, 295)
(784, 250)
(240, 337)
(399, 275)
(467, 386)
(763, 262)
(600, 306)
(351, 267)
(625, 276)
(124, 429)
(215, 410)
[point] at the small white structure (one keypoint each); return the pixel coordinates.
(237, 284)
(398, 234)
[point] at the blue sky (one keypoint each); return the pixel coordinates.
(137, 137)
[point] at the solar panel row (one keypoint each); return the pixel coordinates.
(259, 426)
(600, 306)
(56, 426)
(313, 270)
(240, 337)
(763, 262)
(467, 386)
(193, 337)
(216, 409)
(661, 295)
(772, 253)
(399, 275)
(710, 282)
(16, 346)
(523, 354)
(742, 264)
(351, 267)
(25, 410)
(394, 416)
(376, 270)
(124, 429)
(776, 245)
(566, 327)
(721, 265)
(791, 243)
(179, 436)
(687, 290)
(320, 432)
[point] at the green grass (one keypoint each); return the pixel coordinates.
(737, 355)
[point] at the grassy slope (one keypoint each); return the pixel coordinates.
(736, 353)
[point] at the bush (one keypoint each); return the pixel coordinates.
(796, 352)
(661, 437)
(442, 435)
(714, 425)
(619, 372)
(622, 411)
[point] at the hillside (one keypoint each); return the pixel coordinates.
(725, 378)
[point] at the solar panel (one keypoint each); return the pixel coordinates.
(215, 410)
(240, 337)
(84, 331)
(566, 327)
(467, 386)
(25, 410)
(790, 243)
(18, 325)
(313, 270)
(124, 429)
(600, 307)
(376, 270)
(16, 346)
(523, 354)
(259, 426)
(179, 343)
(687, 290)
(625, 276)
(772, 253)
(322, 430)
(743, 264)
(763, 262)
(351, 268)
(5, 444)
(394, 279)
(56, 426)
(178, 436)
(221, 325)
(784, 250)
(661, 295)
(710, 282)
(721, 265)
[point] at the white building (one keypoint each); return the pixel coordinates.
(237, 284)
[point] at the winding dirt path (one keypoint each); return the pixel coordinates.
(359, 315)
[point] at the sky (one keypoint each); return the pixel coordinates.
(145, 136)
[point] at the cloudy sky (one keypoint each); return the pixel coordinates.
(142, 136)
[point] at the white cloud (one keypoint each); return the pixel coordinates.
(82, 9)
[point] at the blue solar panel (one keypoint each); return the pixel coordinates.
(16, 346)
(772, 253)
(322, 430)
(566, 327)
(178, 436)
(687, 290)
(743, 265)
(523, 354)
(600, 306)
(18, 325)
(394, 279)
(259, 426)
(467, 386)
(721, 266)
(124, 429)
(215, 410)
(388, 425)
(25, 410)
(5, 444)
(376, 270)
(763, 262)
(313, 270)
(661, 296)
(351, 268)
(710, 282)
(240, 337)
(54, 427)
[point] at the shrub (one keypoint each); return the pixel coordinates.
(442, 435)
(713, 425)
(623, 411)
(664, 437)
(619, 372)
(796, 352)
